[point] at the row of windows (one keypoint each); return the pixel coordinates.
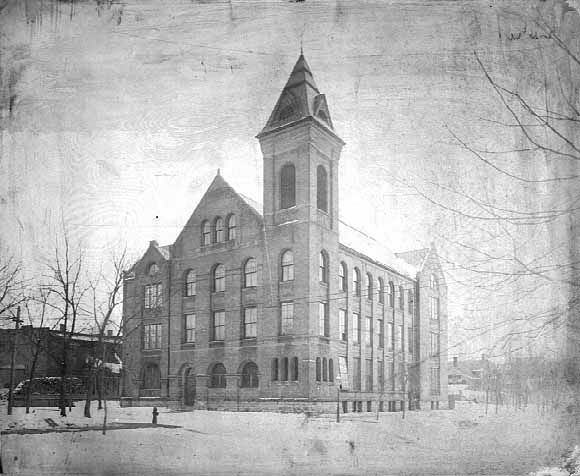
(288, 187)
(285, 369)
(153, 296)
(369, 287)
(324, 370)
(368, 331)
(218, 231)
(250, 327)
(217, 378)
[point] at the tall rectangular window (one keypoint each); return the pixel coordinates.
(323, 324)
(435, 308)
(287, 317)
(152, 336)
(381, 375)
(190, 328)
(389, 376)
(389, 337)
(381, 332)
(411, 302)
(356, 373)
(250, 322)
(342, 325)
(434, 344)
(435, 381)
(355, 327)
(410, 339)
(401, 298)
(402, 338)
(369, 375)
(368, 331)
(153, 296)
(218, 325)
(343, 371)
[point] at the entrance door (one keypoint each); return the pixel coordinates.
(189, 388)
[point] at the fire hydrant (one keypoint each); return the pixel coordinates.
(155, 413)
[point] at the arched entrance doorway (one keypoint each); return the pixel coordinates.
(189, 388)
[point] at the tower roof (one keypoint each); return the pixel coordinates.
(299, 99)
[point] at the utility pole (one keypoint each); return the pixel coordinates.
(12, 359)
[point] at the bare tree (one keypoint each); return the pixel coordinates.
(12, 284)
(65, 284)
(106, 296)
(36, 337)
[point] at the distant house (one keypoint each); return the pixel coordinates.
(83, 347)
(467, 372)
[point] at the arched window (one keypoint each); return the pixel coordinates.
(324, 370)
(356, 282)
(342, 277)
(231, 227)
(288, 186)
(205, 233)
(381, 290)
(295, 369)
(274, 369)
(321, 189)
(284, 376)
(219, 278)
(318, 369)
(369, 287)
(287, 266)
(251, 273)
(153, 269)
(151, 377)
(218, 376)
(219, 230)
(323, 267)
(433, 282)
(401, 298)
(330, 370)
(250, 375)
(190, 279)
(391, 294)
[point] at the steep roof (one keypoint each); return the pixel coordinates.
(415, 257)
(299, 99)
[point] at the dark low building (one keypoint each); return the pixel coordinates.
(83, 348)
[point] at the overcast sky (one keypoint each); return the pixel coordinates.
(122, 114)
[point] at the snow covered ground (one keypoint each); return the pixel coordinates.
(460, 442)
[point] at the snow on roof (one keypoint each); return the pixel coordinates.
(254, 204)
(373, 249)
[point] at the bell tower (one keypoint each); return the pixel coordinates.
(301, 153)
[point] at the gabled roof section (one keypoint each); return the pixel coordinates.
(299, 99)
(219, 184)
(415, 257)
(164, 252)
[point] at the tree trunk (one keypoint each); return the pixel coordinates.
(62, 399)
(89, 394)
(100, 388)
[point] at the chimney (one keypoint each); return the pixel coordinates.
(455, 361)
(154, 243)
(109, 333)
